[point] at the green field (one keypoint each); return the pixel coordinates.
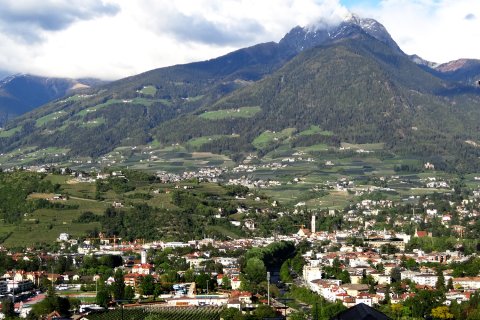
(267, 137)
(10, 132)
(148, 91)
(93, 123)
(49, 117)
(244, 112)
(315, 130)
(99, 106)
(197, 142)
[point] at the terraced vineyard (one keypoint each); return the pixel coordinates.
(166, 313)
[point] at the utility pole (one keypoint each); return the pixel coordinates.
(13, 290)
(268, 286)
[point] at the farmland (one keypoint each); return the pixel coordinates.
(244, 112)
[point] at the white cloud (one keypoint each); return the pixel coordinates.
(129, 37)
(117, 38)
(436, 30)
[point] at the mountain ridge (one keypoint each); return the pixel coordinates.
(349, 80)
(22, 93)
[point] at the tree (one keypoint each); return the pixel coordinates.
(441, 312)
(395, 274)
(264, 311)
(255, 270)
(285, 272)
(51, 290)
(147, 285)
(49, 304)
(129, 293)
(103, 297)
(396, 310)
(387, 294)
(440, 284)
(423, 302)
(450, 284)
(118, 286)
(8, 308)
(231, 314)
(226, 282)
(189, 275)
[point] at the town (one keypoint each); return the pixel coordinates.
(408, 258)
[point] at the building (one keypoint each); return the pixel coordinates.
(311, 273)
(467, 283)
(425, 279)
(144, 269)
(199, 300)
(63, 237)
(19, 286)
(3, 287)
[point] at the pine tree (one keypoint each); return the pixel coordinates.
(118, 287)
(450, 284)
(440, 285)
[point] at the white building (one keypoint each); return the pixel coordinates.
(425, 279)
(468, 283)
(311, 273)
(63, 237)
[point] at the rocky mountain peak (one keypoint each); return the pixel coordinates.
(301, 38)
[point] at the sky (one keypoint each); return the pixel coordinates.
(112, 39)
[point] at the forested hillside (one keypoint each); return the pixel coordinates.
(353, 86)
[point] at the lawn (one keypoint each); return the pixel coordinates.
(49, 117)
(9, 133)
(93, 123)
(99, 106)
(148, 91)
(315, 130)
(222, 230)
(244, 112)
(198, 142)
(267, 137)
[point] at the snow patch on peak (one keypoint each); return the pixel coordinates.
(329, 22)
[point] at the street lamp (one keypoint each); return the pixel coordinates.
(268, 286)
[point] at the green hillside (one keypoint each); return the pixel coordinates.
(354, 90)
(361, 92)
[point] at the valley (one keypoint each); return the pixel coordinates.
(330, 160)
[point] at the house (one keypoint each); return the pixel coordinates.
(311, 273)
(422, 234)
(304, 233)
(116, 204)
(250, 224)
(468, 283)
(132, 279)
(63, 237)
(143, 268)
(355, 289)
(364, 298)
(236, 282)
(425, 279)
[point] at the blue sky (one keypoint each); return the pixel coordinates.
(356, 3)
(111, 39)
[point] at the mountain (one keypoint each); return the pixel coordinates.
(422, 62)
(463, 70)
(302, 38)
(359, 89)
(3, 74)
(22, 93)
(350, 80)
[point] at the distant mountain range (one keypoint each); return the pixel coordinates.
(22, 93)
(351, 81)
